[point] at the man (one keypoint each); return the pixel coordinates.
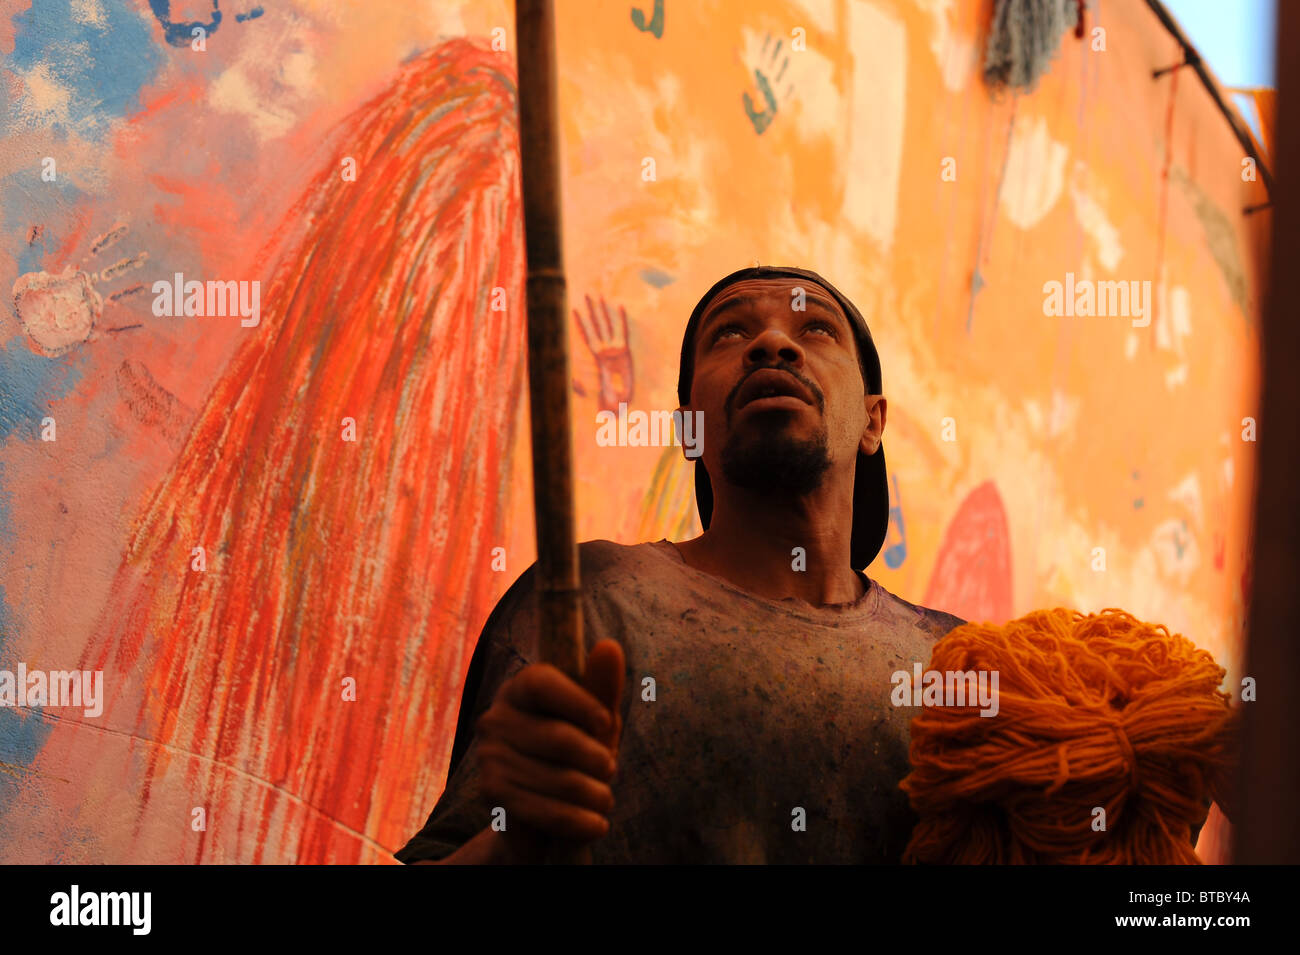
(757, 724)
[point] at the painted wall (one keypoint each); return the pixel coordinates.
(276, 532)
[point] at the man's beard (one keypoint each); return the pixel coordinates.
(777, 462)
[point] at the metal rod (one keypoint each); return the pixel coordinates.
(1193, 59)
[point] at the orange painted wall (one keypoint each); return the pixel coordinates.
(1018, 442)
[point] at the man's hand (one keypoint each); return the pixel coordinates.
(547, 750)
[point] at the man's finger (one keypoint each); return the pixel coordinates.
(556, 782)
(556, 817)
(554, 741)
(542, 688)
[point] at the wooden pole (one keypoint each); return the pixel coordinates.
(558, 594)
(548, 353)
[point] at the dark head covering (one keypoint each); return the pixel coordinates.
(870, 484)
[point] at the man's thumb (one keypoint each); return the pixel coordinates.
(603, 677)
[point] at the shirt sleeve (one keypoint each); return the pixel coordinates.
(504, 648)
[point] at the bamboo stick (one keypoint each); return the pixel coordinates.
(558, 593)
(548, 354)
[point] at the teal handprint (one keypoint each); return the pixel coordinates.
(762, 120)
(656, 25)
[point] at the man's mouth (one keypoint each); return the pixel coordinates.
(770, 388)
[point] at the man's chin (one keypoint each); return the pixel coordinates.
(775, 432)
(776, 461)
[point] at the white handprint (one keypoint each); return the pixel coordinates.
(59, 311)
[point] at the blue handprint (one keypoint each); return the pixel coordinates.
(180, 33)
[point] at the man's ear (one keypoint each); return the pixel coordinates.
(689, 436)
(875, 427)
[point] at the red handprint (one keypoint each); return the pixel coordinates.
(608, 345)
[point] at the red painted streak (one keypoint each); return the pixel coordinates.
(328, 559)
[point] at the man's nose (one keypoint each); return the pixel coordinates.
(771, 346)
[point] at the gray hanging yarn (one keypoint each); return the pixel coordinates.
(1023, 40)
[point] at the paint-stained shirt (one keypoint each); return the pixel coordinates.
(754, 730)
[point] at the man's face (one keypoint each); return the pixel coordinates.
(781, 389)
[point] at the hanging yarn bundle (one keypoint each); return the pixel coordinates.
(1101, 721)
(1023, 39)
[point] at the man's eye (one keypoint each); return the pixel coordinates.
(827, 327)
(725, 330)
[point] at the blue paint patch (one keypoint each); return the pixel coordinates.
(181, 33)
(252, 14)
(30, 201)
(23, 734)
(103, 68)
(20, 407)
(6, 534)
(31, 383)
(28, 383)
(657, 277)
(22, 731)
